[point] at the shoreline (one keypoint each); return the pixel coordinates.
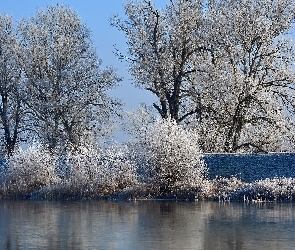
(220, 190)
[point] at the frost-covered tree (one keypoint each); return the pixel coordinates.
(225, 67)
(161, 47)
(249, 81)
(11, 108)
(66, 87)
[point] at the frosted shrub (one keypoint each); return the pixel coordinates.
(101, 172)
(83, 171)
(276, 189)
(172, 156)
(222, 188)
(28, 171)
(119, 171)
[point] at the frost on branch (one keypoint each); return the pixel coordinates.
(11, 106)
(162, 45)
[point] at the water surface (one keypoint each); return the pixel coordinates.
(145, 225)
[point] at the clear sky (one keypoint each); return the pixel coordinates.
(96, 15)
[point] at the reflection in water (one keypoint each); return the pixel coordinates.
(145, 225)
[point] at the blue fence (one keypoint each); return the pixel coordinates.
(251, 167)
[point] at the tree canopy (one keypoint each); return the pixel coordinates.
(223, 67)
(50, 69)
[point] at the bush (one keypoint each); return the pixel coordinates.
(165, 160)
(98, 173)
(92, 173)
(27, 171)
(170, 156)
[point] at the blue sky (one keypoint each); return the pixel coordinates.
(95, 14)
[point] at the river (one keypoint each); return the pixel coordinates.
(145, 225)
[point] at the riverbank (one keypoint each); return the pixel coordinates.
(218, 189)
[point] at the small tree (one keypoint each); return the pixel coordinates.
(136, 122)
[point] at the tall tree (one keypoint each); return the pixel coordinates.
(161, 48)
(250, 75)
(66, 89)
(11, 108)
(223, 66)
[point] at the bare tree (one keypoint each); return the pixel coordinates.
(66, 89)
(11, 108)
